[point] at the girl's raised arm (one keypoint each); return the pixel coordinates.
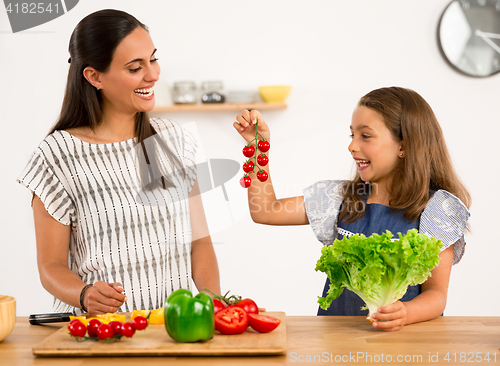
(262, 202)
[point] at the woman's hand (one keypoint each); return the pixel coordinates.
(104, 298)
(390, 317)
(245, 125)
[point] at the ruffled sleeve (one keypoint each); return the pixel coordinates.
(322, 201)
(445, 217)
(40, 179)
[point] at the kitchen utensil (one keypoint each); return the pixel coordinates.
(36, 319)
(7, 315)
(155, 341)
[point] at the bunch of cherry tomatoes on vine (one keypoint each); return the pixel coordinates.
(256, 159)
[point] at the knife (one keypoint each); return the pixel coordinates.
(36, 319)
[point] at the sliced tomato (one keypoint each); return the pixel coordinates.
(263, 323)
(231, 320)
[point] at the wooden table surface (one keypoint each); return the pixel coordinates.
(311, 339)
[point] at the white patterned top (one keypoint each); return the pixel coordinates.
(444, 217)
(119, 233)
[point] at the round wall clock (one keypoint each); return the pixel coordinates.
(469, 36)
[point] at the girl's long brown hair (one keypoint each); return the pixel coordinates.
(426, 165)
(93, 43)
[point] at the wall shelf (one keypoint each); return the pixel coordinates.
(219, 107)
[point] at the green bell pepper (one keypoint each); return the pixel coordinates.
(188, 318)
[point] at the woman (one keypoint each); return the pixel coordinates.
(115, 194)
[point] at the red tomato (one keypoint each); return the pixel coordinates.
(218, 305)
(248, 305)
(262, 160)
(248, 151)
(262, 176)
(71, 323)
(263, 323)
(104, 331)
(128, 329)
(74, 321)
(116, 326)
(77, 328)
(92, 327)
(246, 182)
(140, 323)
(264, 146)
(248, 166)
(231, 320)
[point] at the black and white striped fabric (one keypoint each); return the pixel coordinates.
(119, 232)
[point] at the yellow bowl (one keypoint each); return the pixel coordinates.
(274, 93)
(7, 315)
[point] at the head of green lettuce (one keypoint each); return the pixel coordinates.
(377, 269)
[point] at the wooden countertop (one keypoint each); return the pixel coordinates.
(311, 339)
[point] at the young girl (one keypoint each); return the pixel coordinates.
(116, 228)
(404, 180)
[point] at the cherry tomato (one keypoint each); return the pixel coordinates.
(218, 305)
(248, 305)
(262, 160)
(248, 151)
(104, 331)
(231, 320)
(263, 323)
(262, 176)
(74, 321)
(246, 182)
(128, 329)
(77, 328)
(248, 166)
(264, 146)
(140, 323)
(116, 326)
(92, 327)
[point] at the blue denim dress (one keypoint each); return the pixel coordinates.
(377, 219)
(444, 217)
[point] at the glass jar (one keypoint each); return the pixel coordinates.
(184, 92)
(213, 92)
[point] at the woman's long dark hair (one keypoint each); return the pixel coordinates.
(93, 44)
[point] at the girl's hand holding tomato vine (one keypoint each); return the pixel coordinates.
(245, 125)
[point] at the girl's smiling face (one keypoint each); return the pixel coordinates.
(128, 85)
(373, 146)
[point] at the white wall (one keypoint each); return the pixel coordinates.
(332, 52)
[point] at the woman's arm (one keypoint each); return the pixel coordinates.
(428, 305)
(52, 243)
(205, 270)
(264, 207)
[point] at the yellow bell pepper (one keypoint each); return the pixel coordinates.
(103, 318)
(136, 313)
(156, 316)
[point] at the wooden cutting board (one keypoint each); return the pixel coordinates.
(155, 341)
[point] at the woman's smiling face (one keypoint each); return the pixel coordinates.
(373, 146)
(128, 85)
